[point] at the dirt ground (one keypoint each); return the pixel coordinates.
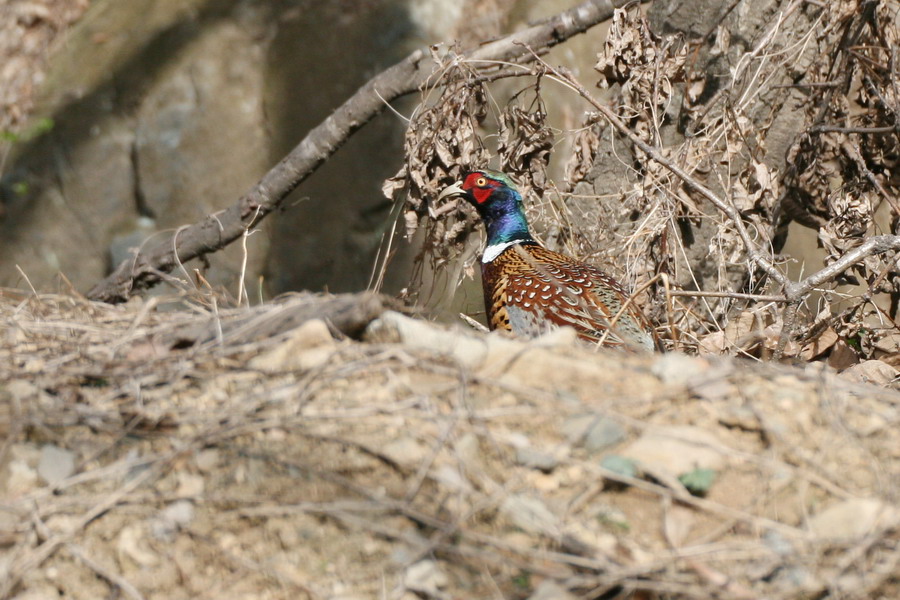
(158, 451)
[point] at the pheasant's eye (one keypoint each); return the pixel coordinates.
(481, 182)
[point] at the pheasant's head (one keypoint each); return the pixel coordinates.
(498, 202)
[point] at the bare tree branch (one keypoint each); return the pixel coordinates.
(755, 254)
(218, 230)
(793, 292)
(878, 244)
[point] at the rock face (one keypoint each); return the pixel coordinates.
(200, 137)
(330, 237)
(152, 130)
(155, 128)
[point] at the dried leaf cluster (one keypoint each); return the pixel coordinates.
(844, 168)
(646, 68)
(830, 72)
(441, 142)
(526, 139)
(446, 137)
(794, 121)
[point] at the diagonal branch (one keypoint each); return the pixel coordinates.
(213, 233)
(793, 292)
(878, 244)
(756, 255)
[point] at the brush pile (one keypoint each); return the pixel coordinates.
(749, 171)
(326, 447)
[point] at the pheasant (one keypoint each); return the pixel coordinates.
(529, 289)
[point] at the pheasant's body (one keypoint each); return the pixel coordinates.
(529, 289)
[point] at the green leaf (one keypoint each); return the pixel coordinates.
(43, 125)
(522, 580)
(613, 523)
(39, 127)
(698, 481)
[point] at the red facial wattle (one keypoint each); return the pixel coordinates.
(480, 186)
(482, 194)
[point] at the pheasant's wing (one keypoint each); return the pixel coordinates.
(511, 305)
(544, 288)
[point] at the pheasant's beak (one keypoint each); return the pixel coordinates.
(454, 190)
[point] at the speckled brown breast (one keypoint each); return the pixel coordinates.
(529, 289)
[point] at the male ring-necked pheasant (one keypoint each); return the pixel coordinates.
(529, 289)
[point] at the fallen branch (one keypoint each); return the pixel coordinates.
(348, 314)
(216, 231)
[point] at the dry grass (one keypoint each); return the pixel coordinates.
(229, 468)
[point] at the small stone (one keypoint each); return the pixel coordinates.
(452, 478)
(405, 451)
(588, 538)
(576, 427)
(595, 432)
(677, 450)
(190, 485)
(171, 519)
(550, 590)
(602, 434)
(468, 450)
(469, 350)
(796, 578)
(777, 543)
(56, 464)
(530, 515)
(425, 577)
(572, 475)
(543, 482)
(518, 540)
(678, 369)
(531, 457)
(207, 459)
(619, 465)
(309, 360)
(180, 512)
(312, 334)
(852, 519)
(308, 347)
(402, 555)
(21, 477)
(131, 545)
(876, 372)
(558, 337)
(22, 390)
(739, 416)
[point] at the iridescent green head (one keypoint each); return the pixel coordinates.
(498, 202)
